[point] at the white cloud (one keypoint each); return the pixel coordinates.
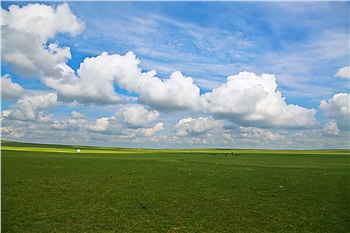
(201, 125)
(343, 72)
(76, 125)
(264, 135)
(251, 100)
(206, 131)
(9, 89)
(99, 74)
(101, 125)
(42, 20)
(8, 131)
(95, 81)
(150, 131)
(136, 116)
(32, 107)
(173, 94)
(337, 109)
(178, 93)
(129, 120)
(247, 110)
(77, 115)
(25, 32)
(331, 129)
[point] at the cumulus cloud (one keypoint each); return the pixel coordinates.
(9, 89)
(77, 125)
(77, 115)
(337, 110)
(253, 133)
(178, 93)
(129, 120)
(343, 72)
(136, 116)
(42, 20)
(251, 100)
(98, 75)
(101, 125)
(94, 84)
(201, 125)
(25, 32)
(173, 94)
(331, 129)
(150, 131)
(32, 107)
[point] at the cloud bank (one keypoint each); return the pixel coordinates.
(111, 98)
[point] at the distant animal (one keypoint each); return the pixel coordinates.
(244, 162)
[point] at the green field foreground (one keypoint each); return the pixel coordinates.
(52, 188)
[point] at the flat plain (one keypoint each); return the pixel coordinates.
(54, 188)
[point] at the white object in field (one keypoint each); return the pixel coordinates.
(78, 150)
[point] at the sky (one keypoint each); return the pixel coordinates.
(271, 75)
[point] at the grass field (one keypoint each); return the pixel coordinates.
(51, 188)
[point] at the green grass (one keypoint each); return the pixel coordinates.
(50, 188)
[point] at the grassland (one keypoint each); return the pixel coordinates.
(51, 188)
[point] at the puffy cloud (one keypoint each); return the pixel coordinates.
(150, 131)
(25, 32)
(253, 133)
(70, 125)
(98, 75)
(33, 107)
(173, 94)
(331, 129)
(9, 89)
(95, 81)
(128, 120)
(11, 132)
(337, 110)
(343, 72)
(42, 20)
(201, 125)
(178, 93)
(251, 100)
(77, 115)
(101, 125)
(136, 116)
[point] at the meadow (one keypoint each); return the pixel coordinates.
(53, 188)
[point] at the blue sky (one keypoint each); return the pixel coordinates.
(177, 74)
